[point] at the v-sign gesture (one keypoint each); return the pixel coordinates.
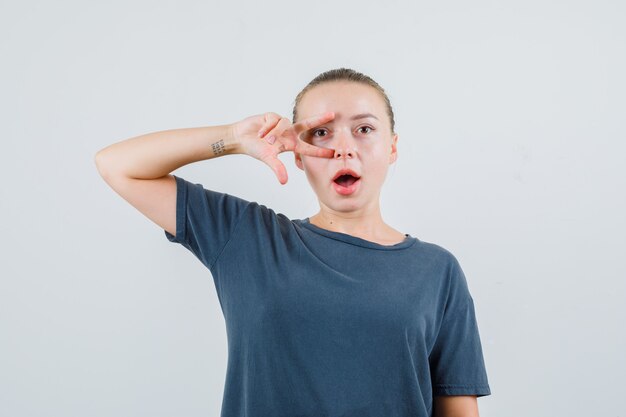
(264, 136)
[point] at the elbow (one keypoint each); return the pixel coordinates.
(97, 159)
(101, 164)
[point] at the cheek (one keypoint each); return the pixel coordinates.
(377, 167)
(314, 168)
(377, 172)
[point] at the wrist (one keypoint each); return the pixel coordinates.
(233, 143)
(221, 141)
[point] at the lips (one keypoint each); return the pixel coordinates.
(347, 172)
(346, 181)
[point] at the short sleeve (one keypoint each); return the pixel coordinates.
(205, 219)
(456, 360)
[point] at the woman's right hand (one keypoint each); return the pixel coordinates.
(264, 136)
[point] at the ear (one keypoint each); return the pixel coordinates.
(298, 160)
(394, 149)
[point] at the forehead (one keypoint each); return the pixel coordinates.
(346, 99)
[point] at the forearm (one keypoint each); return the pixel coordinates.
(154, 155)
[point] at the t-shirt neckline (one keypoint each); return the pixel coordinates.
(344, 237)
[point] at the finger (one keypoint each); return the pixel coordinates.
(311, 122)
(312, 150)
(269, 124)
(282, 173)
(271, 119)
(282, 125)
(279, 169)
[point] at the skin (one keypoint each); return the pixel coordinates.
(455, 406)
(365, 145)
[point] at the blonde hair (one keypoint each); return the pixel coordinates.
(345, 74)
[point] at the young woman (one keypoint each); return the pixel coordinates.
(336, 314)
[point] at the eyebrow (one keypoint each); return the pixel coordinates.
(357, 116)
(363, 116)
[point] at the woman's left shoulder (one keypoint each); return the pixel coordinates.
(439, 252)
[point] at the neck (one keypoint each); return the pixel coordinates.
(368, 225)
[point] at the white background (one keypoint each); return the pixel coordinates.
(511, 122)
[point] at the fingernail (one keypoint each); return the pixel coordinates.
(271, 139)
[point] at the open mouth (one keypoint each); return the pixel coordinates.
(346, 180)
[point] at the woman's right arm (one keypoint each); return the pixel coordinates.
(154, 155)
(138, 169)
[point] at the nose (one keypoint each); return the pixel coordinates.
(344, 147)
(344, 152)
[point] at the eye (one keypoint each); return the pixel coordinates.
(366, 127)
(317, 130)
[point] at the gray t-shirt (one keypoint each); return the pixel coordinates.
(322, 323)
